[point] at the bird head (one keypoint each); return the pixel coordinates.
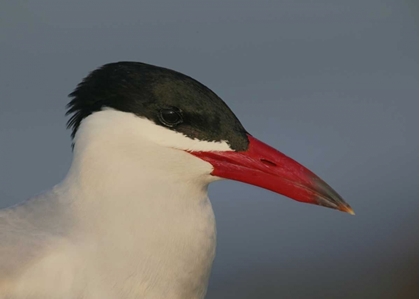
(190, 127)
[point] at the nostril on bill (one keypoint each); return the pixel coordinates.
(268, 162)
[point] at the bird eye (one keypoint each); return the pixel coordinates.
(170, 117)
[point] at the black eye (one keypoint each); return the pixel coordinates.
(170, 117)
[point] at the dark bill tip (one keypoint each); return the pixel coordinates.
(328, 197)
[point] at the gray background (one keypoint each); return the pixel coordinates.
(333, 84)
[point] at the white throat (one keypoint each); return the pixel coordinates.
(143, 206)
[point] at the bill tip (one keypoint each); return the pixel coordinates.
(347, 210)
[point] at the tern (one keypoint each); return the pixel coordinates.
(132, 218)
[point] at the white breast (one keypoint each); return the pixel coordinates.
(138, 222)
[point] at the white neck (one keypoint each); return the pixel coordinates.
(143, 208)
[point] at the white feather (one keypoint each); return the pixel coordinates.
(131, 220)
